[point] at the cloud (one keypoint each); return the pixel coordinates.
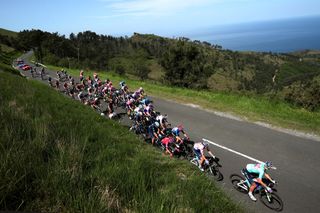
(157, 8)
(150, 7)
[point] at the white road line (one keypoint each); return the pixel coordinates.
(231, 150)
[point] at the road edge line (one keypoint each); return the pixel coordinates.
(231, 150)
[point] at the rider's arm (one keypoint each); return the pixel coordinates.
(210, 153)
(178, 139)
(202, 154)
(259, 180)
(184, 134)
(268, 177)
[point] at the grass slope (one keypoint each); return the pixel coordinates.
(8, 33)
(253, 107)
(6, 58)
(60, 156)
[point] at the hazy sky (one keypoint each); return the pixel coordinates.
(163, 17)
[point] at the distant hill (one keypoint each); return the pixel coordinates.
(8, 32)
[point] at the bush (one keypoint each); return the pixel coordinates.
(142, 70)
(120, 69)
(306, 95)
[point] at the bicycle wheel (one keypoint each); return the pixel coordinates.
(274, 202)
(189, 156)
(236, 180)
(214, 171)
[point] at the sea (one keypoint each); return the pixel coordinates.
(287, 35)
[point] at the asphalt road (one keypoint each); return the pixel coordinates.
(296, 158)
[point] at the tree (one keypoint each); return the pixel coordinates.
(141, 70)
(120, 69)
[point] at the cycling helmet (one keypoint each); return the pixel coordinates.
(268, 164)
(156, 124)
(205, 144)
(180, 127)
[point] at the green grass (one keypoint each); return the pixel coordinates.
(252, 107)
(58, 155)
(6, 48)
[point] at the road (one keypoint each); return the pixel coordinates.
(296, 158)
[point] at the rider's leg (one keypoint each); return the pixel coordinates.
(202, 160)
(252, 187)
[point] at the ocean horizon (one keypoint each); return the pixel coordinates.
(287, 35)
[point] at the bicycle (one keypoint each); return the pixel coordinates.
(211, 167)
(269, 199)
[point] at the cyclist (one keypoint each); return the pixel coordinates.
(42, 73)
(59, 75)
(259, 170)
(130, 106)
(198, 149)
(49, 81)
(141, 91)
(145, 102)
(82, 97)
(148, 110)
(66, 87)
(154, 131)
(165, 142)
(57, 85)
(81, 75)
(176, 132)
(32, 72)
(162, 119)
(122, 84)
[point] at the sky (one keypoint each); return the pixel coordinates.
(162, 17)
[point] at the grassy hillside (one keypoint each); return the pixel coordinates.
(60, 156)
(6, 58)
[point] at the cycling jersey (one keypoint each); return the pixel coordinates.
(152, 129)
(136, 95)
(145, 101)
(199, 146)
(166, 141)
(175, 131)
(147, 109)
(161, 119)
(137, 110)
(256, 169)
